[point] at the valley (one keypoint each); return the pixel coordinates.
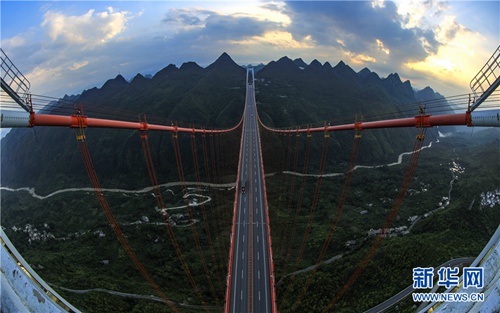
(440, 193)
(249, 156)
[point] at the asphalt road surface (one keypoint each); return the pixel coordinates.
(250, 287)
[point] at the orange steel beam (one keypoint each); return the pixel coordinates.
(74, 121)
(488, 118)
(417, 121)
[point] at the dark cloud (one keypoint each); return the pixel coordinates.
(190, 20)
(442, 6)
(213, 26)
(452, 30)
(346, 30)
(271, 7)
(215, 29)
(186, 17)
(357, 25)
(234, 27)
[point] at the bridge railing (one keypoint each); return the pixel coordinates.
(488, 259)
(487, 79)
(22, 290)
(487, 75)
(13, 81)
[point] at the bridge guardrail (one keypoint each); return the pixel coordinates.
(23, 287)
(14, 81)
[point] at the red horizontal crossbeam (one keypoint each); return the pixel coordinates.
(417, 121)
(74, 121)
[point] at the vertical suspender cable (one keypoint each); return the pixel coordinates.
(213, 203)
(205, 219)
(161, 207)
(410, 171)
(312, 210)
(87, 160)
(301, 197)
(284, 163)
(225, 215)
(217, 194)
(175, 141)
(218, 159)
(338, 211)
(283, 250)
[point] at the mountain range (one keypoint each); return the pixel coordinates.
(289, 92)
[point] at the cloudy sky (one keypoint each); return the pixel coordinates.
(65, 47)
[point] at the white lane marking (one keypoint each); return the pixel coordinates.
(266, 273)
(258, 254)
(257, 238)
(259, 295)
(241, 273)
(237, 263)
(243, 241)
(258, 274)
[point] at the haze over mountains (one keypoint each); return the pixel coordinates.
(289, 93)
(297, 70)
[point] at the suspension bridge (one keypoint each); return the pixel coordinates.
(250, 277)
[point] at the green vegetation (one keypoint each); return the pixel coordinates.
(458, 230)
(214, 97)
(85, 253)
